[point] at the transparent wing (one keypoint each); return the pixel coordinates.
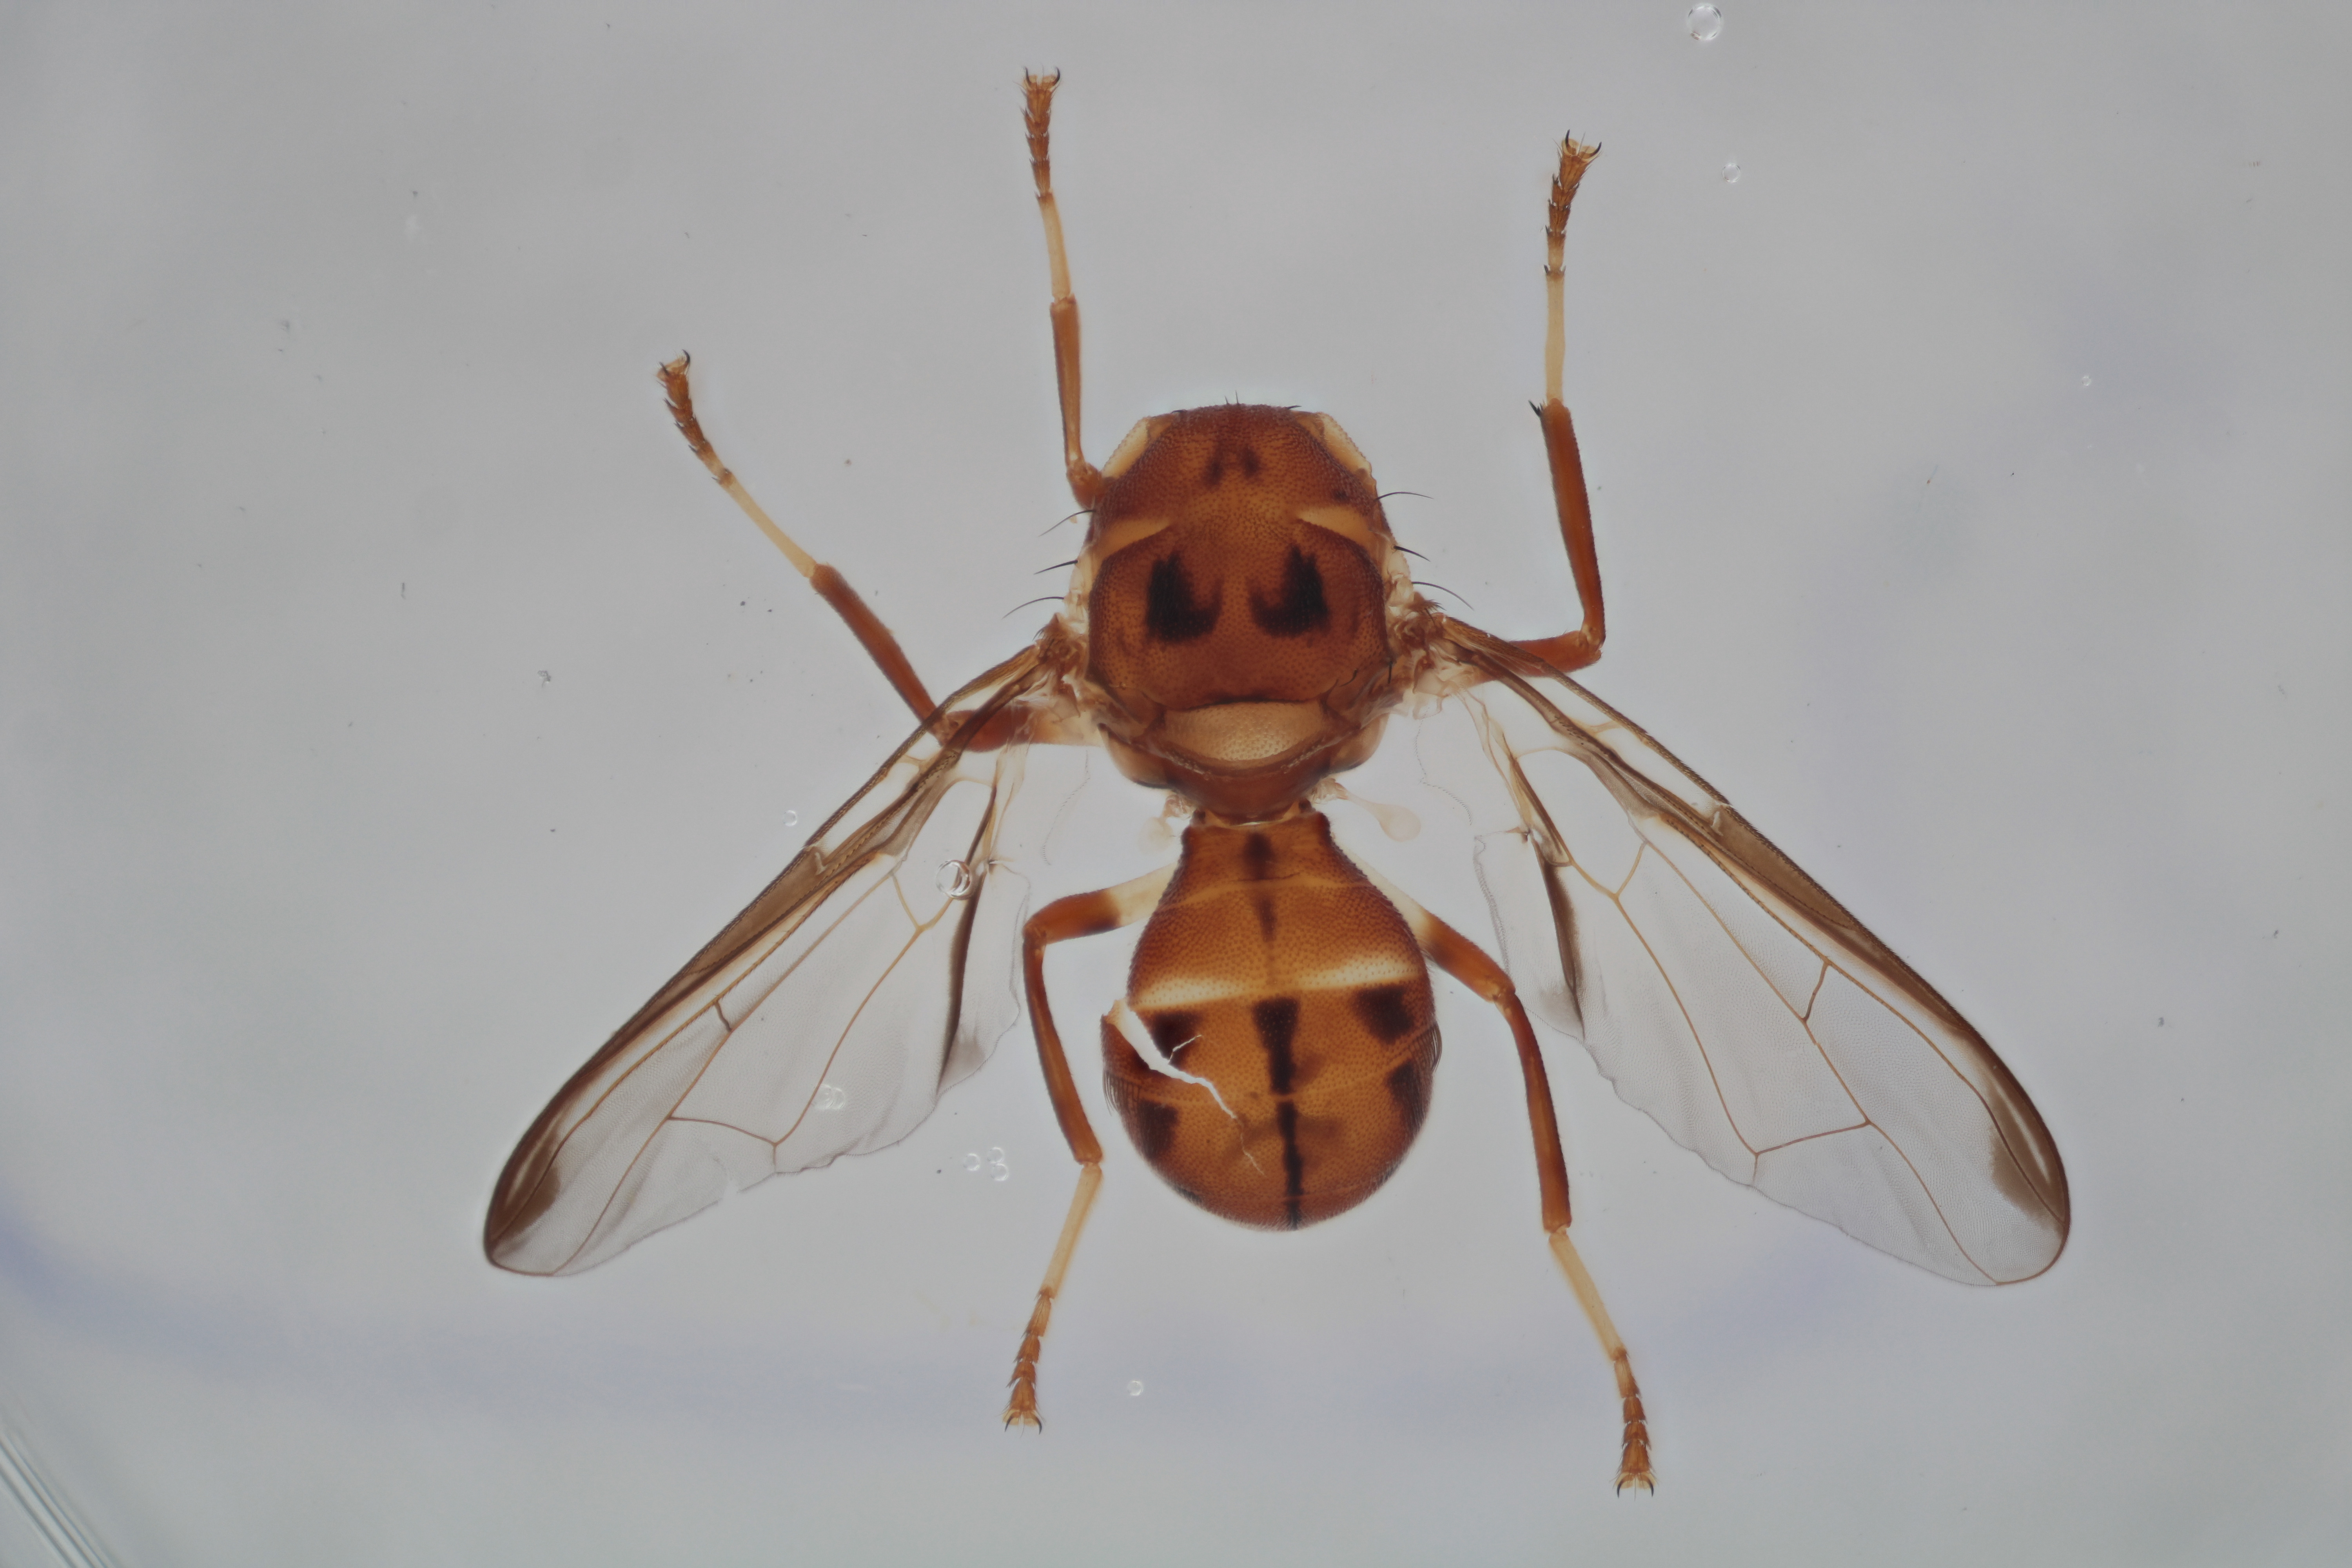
(825, 1019)
(1726, 994)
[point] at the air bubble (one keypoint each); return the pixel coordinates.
(1731, 173)
(2087, 381)
(791, 819)
(972, 1161)
(1135, 1388)
(831, 1097)
(955, 879)
(1704, 22)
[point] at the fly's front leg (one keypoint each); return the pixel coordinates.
(1086, 480)
(1460, 957)
(1571, 650)
(831, 585)
(1081, 914)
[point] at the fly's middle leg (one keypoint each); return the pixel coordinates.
(1464, 960)
(1081, 914)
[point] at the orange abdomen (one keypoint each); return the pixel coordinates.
(1293, 1005)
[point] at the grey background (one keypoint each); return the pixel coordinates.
(391, 703)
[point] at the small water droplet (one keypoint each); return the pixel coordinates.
(791, 819)
(996, 1163)
(972, 1161)
(831, 1097)
(1135, 1388)
(1704, 22)
(955, 879)
(2087, 381)
(1731, 173)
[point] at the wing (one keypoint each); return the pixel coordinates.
(824, 1020)
(1726, 994)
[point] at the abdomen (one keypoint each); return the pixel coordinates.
(1279, 978)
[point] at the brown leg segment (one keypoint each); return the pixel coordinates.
(831, 585)
(1086, 480)
(1571, 650)
(1081, 914)
(1460, 957)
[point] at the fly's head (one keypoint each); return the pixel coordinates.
(1237, 592)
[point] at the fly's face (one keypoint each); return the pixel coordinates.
(1236, 585)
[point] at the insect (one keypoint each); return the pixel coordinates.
(1239, 629)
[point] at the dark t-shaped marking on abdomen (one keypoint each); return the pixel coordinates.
(1276, 1018)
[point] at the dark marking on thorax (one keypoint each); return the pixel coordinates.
(1170, 612)
(1301, 608)
(1242, 455)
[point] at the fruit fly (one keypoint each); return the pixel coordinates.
(1239, 628)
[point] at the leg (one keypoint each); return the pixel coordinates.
(1571, 650)
(1633, 1463)
(1460, 957)
(1081, 914)
(831, 585)
(1085, 481)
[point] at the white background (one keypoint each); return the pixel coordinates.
(390, 704)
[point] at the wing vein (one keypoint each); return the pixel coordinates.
(1948, 1165)
(618, 1153)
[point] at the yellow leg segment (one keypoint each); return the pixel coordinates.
(1634, 1463)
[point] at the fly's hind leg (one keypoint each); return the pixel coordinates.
(1037, 114)
(1081, 914)
(1460, 957)
(1570, 651)
(831, 585)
